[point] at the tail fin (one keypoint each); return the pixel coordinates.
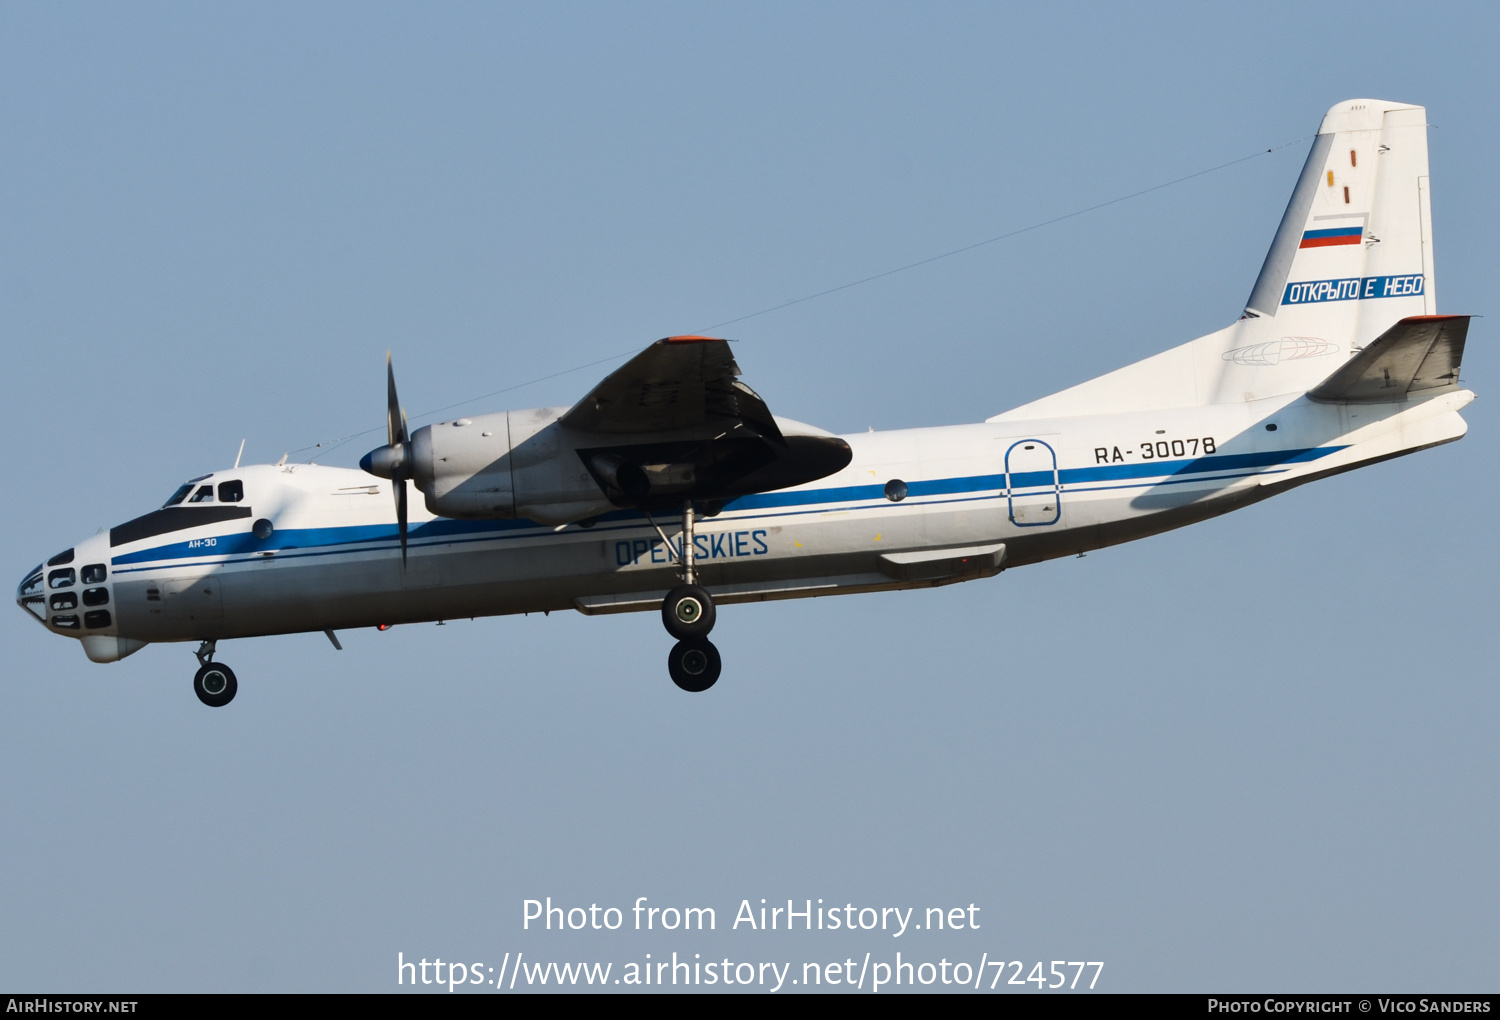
(1352, 256)
(1359, 225)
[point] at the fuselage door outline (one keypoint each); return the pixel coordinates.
(1031, 484)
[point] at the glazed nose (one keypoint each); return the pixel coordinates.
(31, 595)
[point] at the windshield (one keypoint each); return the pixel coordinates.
(178, 496)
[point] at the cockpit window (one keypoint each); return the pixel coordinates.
(178, 496)
(205, 494)
(63, 578)
(231, 492)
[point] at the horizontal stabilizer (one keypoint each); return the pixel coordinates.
(1417, 357)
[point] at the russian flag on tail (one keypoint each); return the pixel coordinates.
(1335, 235)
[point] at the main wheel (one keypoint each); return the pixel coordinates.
(694, 665)
(215, 685)
(688, 612)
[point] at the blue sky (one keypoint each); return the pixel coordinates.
(1257, 753)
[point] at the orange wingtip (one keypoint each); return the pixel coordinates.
(687, 338)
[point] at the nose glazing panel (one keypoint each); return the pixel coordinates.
(31, 596)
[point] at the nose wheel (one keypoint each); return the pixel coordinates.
(214, 683)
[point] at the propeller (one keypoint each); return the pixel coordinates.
(393, 460)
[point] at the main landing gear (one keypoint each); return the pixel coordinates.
(214, 683)
(688, 614)
(694, 664)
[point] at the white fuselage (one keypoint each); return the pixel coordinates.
(978, 498)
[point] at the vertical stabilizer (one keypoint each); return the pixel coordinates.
(1351, 257)
(1358, 227)
(1265, 298)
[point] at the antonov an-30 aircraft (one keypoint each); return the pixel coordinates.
(670, 486)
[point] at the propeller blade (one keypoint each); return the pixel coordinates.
(393, 459)
(399, 488)
(395, 419)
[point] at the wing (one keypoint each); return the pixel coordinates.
(687, 385)
(1418, 356)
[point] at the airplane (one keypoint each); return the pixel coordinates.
(671, 486)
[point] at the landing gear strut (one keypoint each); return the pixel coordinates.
(688, 614)
(214, 683)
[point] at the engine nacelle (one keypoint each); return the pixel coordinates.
(525, 464)
(511, 464)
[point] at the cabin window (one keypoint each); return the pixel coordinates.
(895, 490)
(61, 578)
(178, 496)
(205, 494)
(94, 573)
(96, 596)
(231, 492)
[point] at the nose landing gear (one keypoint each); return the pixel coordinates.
(214, 683)
(688, 613)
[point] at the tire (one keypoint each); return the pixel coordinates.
(688, 612)
(215, 685)
(694, 665)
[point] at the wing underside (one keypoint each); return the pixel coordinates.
(676, 423)
(681, 384)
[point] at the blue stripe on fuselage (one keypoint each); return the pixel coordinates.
(1029, 479)
(298, 538)
(245, 543)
